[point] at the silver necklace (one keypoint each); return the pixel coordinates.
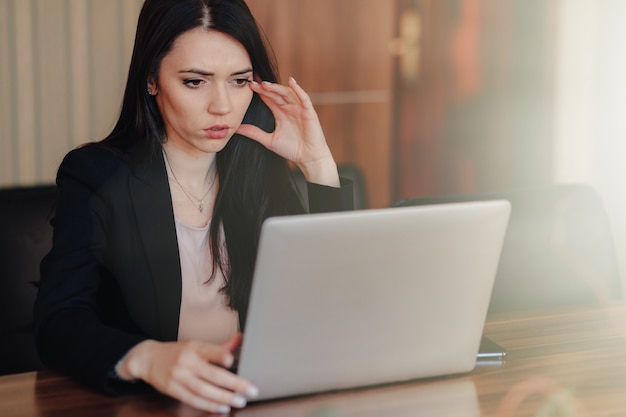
(195, 200)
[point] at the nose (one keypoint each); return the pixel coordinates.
(220, 101)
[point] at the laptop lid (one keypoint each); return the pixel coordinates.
(349, 299)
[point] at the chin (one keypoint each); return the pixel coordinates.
(213, 145)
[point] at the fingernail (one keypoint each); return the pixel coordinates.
(252, 392)
(266, 82)
(255, 82)
(228, 361)
(223, 409)
(238, 401)
(294, 80)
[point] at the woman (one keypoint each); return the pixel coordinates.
(156, 228)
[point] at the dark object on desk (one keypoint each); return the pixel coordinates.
(558, 250)
(26, 237)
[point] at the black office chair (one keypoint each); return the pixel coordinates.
(26, 237)
(558, 250)
(348, 171)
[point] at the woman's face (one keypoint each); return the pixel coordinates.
(202, 90)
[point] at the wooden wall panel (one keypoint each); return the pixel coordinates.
(107, 66)
(63, 67)
(52, 86)
(78, 71)
(7, 126)
(24, 79)
(338, 50)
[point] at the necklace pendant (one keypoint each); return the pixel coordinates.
(201, 206)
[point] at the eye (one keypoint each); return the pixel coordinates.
(241, 82)
(193, 82)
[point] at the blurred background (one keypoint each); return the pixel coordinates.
(426, 97)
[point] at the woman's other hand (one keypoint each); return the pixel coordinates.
(193, 372)
(298, 135)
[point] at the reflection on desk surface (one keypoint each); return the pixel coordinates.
(450, 398)
(559, 363)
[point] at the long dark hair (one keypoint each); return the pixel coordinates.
(254, 183)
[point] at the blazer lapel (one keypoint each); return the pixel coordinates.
(150, 194)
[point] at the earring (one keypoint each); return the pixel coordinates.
(148, 91)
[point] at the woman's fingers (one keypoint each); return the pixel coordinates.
(219, 376)
(214, 384)
(302, 95)
(234, 343)
(194, 373)
(298, 135)
(213, 353)
(255, 133)
(212, 392)
(275, 94)
(180, 392)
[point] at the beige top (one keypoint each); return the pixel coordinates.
(204, 313)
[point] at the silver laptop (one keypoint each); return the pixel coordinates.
(353, 299)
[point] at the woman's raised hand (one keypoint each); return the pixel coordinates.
(193, 372)
(298, 135)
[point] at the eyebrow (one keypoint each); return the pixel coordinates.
(207, 74)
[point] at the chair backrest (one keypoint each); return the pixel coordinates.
(558, 249)
(26, 236)
(349, 171)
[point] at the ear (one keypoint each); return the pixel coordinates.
(152, 87)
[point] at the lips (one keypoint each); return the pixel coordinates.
(217, 131)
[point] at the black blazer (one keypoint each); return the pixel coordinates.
(112, 278)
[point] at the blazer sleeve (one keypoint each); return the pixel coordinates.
(325, 199)
(74, 332)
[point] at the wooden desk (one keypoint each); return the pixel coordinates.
(559, 364)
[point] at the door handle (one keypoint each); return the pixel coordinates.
(407, 47)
